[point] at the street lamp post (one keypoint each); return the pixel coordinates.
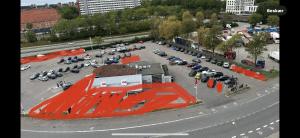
(91, 43)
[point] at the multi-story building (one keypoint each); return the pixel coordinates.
(102, 6)
(240, 7)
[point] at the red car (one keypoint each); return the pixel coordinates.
(247, 62)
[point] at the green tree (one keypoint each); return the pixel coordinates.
(273, 20)
(227, 19)
(199, 18)
(30, 36)
(255, 18)
(29, 26)
(155, 27)
(213, 19)
(230, 44)
(170, 28)
(97, 40)
(211, 40)
(202, 32)
(257, 45)
(188, 25)
(68, 12)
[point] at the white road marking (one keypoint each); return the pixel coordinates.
(149, 134)
(257, 129)
(260, 133)
(242, 134)
(234, 103)
(272, 128)
(92, 128)
(271, 123)
(224, 106)
(200, 113)
(233, 123)
(250, 131)
(265, 125)
(266, 91)
(277, 121)
(233, 137)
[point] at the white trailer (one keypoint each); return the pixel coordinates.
(274, 55)
(275, 37)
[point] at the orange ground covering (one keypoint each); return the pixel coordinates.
(52, 55)
(249, 73)
(84, 101)
(130, 59)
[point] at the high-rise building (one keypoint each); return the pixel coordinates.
(102, 6)
(240, 7)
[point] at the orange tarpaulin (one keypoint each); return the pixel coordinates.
(52, 55)
(83, 101)
(248, 73)
(219, 87)
(130, 59)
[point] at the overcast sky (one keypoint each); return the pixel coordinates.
(41, 2)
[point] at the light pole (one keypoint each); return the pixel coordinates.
(91, 43)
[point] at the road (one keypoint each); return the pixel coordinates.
(244, 115)
(76, 44)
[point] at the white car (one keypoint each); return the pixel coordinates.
(102, 52)
(226, 64)
(25, 67)
(87, 58)
(114, 50)
(87, 64)
(203, 57)
(209, 73)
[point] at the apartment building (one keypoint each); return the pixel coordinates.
(240, 7)
(102, 6)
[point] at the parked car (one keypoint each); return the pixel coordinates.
(220, 63)
(98, 55)
(69, 58)
(190, 53)
(191, 64)
(67, 69)
(199, 55)
(111, 53)
(226, 65)
(203, 69)
(182, 62)
(218, 74)
(192, 73)
(74, 60)
(25, 67)
(74, 70)
(162, 54)
(60, 70)
(171, 57)
(223, 78)
(186, 52)
(247, 62)
(177, 49)
(43, 78)
(213, 61)
(127, 54)
(75, 66)
(203, 57)
(52, 76)
(197, 60)
(196, 67)
(80, 59)
(58, 74)
(182, 50)
(209, 73)
(68, 62)
(81, 65)
(195, 54)
(61, 61)
(44, 73)
(204, 78)
(34, 76)
(208, 59)
(142, 47)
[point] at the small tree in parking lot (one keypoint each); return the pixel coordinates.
(97, 40)
(229, 44)
(257, 45)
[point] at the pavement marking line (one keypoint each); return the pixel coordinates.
(271, 123)
(242, 134)
(272, 128)
(257, 129)
(233, 137)
(260, 133)
(250, 131)
(122, 128)
(277, 121)
(149, 134)
(265, 126)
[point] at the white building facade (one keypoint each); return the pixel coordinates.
(240, 7)
(102, 6)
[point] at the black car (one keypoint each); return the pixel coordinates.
(58, 74)
(52, 76)
(74, 60)
(204, 78)
(75, 66)
(192, 73)
(203, 69)
(190, 53)
(60, 70)
(208, 59)
(213, 61)
(197, 60)
(81, 65)
(194, 54)
(183, 62)
(98, 55)
(69, 58)
(80, 59)
(220, 63)
(230, 81)
(34, 76)
(142, 47)
(191, 64)
(178, 49)
(74, 70)
(61, 61)
(199, 55)
(223, 78)
(111, 53)
(182, 50)
(67, 69)
(44, 73)
(218, 74)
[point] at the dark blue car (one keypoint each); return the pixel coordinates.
(196, 67)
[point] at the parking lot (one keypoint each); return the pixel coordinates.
(35, 91)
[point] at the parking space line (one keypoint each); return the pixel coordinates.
(233, 137)
(250, 131)
(272, 128)
(257, 129)
(265, 126)
(242, 134)
(271, 123)
(277, 121)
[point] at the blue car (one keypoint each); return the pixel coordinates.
(171, 57)
(176, 58)
(196, 67)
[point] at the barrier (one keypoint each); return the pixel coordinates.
(248, 73)
(52, 55)
(130, 59)
(219, 86)
(83, 101)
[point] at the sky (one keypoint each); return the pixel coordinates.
(41, 2)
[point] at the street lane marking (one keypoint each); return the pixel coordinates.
(260, 133)
(233, 137)
(265, 125)
(242, 134)
(149, 134)
(257, 129)
(271, 123)
(250, 131)
(272, 128)
(277, 121)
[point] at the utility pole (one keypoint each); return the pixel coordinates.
(91, 43)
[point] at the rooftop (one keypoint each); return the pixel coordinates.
(147, 68)
(39, 15)
(114, 70)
